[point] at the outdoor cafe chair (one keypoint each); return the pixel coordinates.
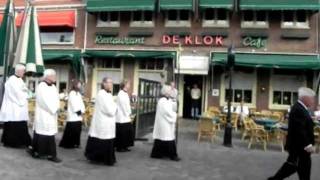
(206, 128)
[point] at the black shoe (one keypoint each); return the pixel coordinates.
(127, 149)
(122, 150)
(54, 159)
(175, 159)
(32, 153)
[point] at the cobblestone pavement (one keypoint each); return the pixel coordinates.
(200, 161)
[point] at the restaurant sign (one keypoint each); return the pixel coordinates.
(254, 42)
(101, 39)
(190, 40)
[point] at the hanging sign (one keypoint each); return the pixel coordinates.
(100, 39)
(254, 42)
(192, 40)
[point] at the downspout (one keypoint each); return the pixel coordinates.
(85, 64)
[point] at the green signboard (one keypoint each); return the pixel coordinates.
(101, 39)
(254, 42)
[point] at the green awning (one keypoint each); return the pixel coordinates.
(281, 61)
(176, 4)
(279, 5)
(129, 54)
(120, 5)
(68, 56)
(223, 4)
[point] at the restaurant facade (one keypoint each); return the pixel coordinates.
(158, 41)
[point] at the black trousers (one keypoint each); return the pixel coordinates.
(299, 162)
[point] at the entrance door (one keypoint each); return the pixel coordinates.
(149, 93)
(189, 81)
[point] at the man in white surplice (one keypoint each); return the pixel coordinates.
(14, 111)
(46, 125)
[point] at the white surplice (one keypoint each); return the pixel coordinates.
(104, 117)
(15, 101)
(75, 104)
(47, 106)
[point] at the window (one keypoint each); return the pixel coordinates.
(178, 18)
(109, 68)
(295, 19)
(153, 69)
(215, 18)
(57, 35)
(115, 88)
(243, 84)
(285, 87)
(154, 64)
(254, 19)
(62, 80)
(284, 97)
(109, 63)
(108, 19)
(142, 18)
(239, 95)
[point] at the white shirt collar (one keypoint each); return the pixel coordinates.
(303, 105)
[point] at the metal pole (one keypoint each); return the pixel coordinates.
(177, 64)
(227, 140)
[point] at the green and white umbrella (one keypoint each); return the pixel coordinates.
(7, 39)
(29, 50)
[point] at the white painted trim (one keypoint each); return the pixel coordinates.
(269, 53)
(71, 6)
(254, 92)
(181, 94)
(277, 106)
(136, 78)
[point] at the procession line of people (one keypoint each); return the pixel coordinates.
(111, 128)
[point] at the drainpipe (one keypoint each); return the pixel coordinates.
(316, 88)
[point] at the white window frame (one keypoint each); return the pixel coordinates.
(254, 92)
(108, 23)
(178, 22)
(271, 89)
(61, 43)
(96, 70)
(295, 24)
(255, 24)
(216, 22)
(142, 23)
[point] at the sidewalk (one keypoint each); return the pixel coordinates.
(200, 161)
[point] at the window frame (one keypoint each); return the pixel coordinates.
(223, 89)
(216, 22)
(178, 22)
(254, 24)
(143, 22)
(295, 24)
(271, 91)
(59, 43)
(96, 84)
(108, 23)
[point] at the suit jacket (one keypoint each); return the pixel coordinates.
(300, 129)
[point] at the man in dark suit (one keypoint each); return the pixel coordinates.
(300, 138)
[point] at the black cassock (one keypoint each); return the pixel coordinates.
(124, 135)
(44, 146)
(15, 134)
(71, 135)
(100, 151)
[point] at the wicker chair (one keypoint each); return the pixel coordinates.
(317, 138)
(32, 107)
(247, 132)
(259, 135)
(62, 115)
(234, 121)
(206, 128)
